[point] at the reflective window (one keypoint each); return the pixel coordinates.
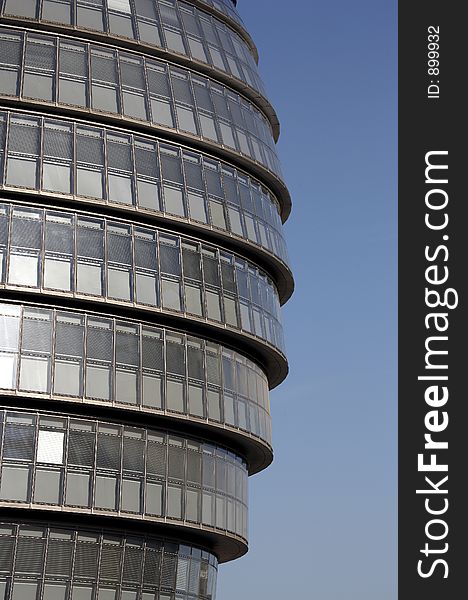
(124, 363)
(192, 186)
(148, 478)
(133, 565)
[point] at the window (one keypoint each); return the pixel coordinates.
(22, 172)
(131, 495)
(24, 590)
(120, 188)
(105, 492)
(8, 364)
(54, 591)
(98, 382)
(50, 447)
(56, 177)
(89, 182)
(196, 400)
(174, 502)
(154, 498)
(193, 299)
(152, 391)
(34, 373)
(171, 294)
(162, 113)
(47, 487)
(126, 386)
(175, 396)
(134, 105)
(174, 201)
(77, 489)
(20, 8)
(56, 10)
(192, 513)
(67, 378)
(14, 484)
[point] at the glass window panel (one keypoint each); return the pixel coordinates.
(193, 300)
(56, 10)
(162, 113)
(38, 86)
(126, 387)
(174, 502)
(57, 274)
(34, 374)
(24, 590)
(104, 98)
(77, 489)
(89, 279)
(174, 41)
(82, 593)
(118, 284)
(186, 119)
(146, 289)
(191, 510)
(148, 195)
(196, 400)
(72, 92)
(208, 127)
(175, 396)
(229, 409)
(98, 382)
(235, 221)
(171, 294)
(154, 498)
(8, 81)
(67, 379)
(47, 487)
(24, 270)
(14, 484)
(54, 591)
(213, 405)
(104, 495)
(245, 317)
(213, 305)
(120, 25)
(20, 8)
(56, 178)
(197, 50)
(21, 172)
(152, 391)
(230, 312)
(228, 136)
(89, 183)
(220, 512)
(197, 207)
(217, 214)
(207, 509)
(134, 105)
(8, 364)
(174, 200)
(50, 447)
(120, 188)
(131, 495)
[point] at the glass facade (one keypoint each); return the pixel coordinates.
(139, 173)
(64, 72)
(40, 561)
(142, 270)
(177, 27)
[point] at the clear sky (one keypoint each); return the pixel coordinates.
(323, 516)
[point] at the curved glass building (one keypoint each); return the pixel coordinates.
(142, 271)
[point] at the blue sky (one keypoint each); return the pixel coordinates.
(323, 516)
